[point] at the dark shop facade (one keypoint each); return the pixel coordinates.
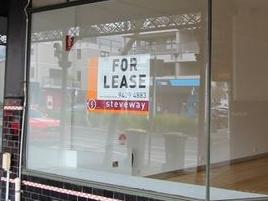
(133, 100)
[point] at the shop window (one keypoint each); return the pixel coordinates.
(239, 97)
(137, 119)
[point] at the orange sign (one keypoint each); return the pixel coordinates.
(119, 84)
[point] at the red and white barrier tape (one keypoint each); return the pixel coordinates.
(13, 108)
(10, 180)
(64, 191)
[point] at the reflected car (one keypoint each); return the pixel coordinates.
(38, 120)
(219, 117)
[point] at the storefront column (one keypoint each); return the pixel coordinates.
(13, 94)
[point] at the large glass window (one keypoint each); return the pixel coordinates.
(239, 97)
(117, 94)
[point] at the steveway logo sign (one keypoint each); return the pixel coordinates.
(119, 84)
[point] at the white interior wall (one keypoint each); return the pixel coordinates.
(249, 105)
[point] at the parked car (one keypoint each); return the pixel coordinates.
(38, 120)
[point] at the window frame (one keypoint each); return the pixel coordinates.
(121, 189)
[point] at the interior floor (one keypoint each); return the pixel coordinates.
(250, 176)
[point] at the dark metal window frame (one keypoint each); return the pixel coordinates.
(3, 30)
(3, 33)
(63, 5)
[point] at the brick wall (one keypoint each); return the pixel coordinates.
(33, 193)
(12, 116)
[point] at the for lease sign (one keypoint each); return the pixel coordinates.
(119, 84)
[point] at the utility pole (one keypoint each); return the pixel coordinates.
(63, 60)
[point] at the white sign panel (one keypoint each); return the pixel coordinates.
(123, 84)
(124, 78)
